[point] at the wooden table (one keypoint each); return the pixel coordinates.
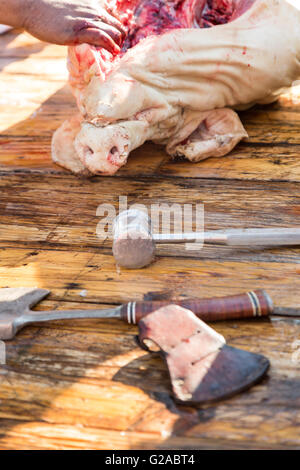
(86, 384)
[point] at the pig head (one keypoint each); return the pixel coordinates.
(179, 89)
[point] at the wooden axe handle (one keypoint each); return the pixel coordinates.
(251, 304)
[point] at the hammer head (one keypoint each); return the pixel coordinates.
(133, 245)
(15, 303)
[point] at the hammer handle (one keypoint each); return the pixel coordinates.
(251, 304)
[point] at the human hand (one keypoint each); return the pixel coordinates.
(70, 22)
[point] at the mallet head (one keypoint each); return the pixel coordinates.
(133, 244)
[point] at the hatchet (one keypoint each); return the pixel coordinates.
(202, 367)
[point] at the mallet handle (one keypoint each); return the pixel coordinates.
(237, 237)
(251, 304)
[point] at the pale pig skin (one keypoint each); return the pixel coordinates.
(178, 89)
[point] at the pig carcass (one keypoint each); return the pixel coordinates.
(184, 67)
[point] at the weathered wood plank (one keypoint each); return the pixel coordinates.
(37, 211)
(54, 68)
(271, 163)
(19, 45)
(37, 435)
(66, 274)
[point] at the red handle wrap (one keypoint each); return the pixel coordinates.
(252, 304)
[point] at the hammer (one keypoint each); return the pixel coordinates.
(134, 241)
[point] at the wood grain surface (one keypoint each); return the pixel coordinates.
(86, 384)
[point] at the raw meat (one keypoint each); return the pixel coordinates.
(175, 86)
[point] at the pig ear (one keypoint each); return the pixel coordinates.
(208, 134)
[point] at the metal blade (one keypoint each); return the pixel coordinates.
(286, 311)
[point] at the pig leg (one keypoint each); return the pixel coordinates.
(210, 134)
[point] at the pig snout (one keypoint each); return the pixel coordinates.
(103, 150)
